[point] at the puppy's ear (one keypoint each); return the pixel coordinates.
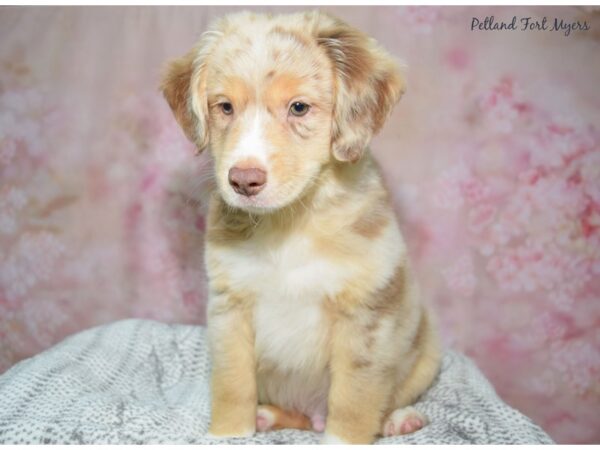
(368, 84)
(184, 88)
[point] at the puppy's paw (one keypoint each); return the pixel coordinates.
(230, 434)
(318, 423)
(331, 439)
(265, 419)
(404, 421)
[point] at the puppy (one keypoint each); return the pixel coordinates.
(314, 317)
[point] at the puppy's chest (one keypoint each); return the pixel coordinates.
(290, 282)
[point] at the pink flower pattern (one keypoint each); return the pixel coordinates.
(495, 173)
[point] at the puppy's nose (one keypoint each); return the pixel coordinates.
(247, 182)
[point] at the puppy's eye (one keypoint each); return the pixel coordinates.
(227, 108)
(299, 109)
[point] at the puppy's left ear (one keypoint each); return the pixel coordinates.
(368, 85)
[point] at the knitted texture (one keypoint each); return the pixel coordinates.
(139, 382)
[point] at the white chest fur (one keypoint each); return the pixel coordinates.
(289, 281)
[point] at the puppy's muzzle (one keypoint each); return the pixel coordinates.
(247, 182)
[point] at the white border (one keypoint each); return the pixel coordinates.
(302, 446)
(294, 3)
(286, 3)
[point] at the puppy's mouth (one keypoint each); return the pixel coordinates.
(269, 200)
(256, 204)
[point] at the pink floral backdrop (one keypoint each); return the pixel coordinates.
(493, 158)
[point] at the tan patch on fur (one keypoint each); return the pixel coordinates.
(223, 131)
(281, 89)
(372, 222)
(249, 163)
(361, 363)
(281, 164)
(385, 301)
(389, 299)
(299, 38)
(234, 88)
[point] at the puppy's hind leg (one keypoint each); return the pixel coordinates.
(271, 417)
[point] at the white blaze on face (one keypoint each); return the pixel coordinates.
(252, 143)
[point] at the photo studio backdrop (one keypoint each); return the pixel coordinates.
(493, 158)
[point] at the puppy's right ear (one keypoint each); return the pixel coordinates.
(184, 88)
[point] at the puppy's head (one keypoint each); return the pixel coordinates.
(277, 98)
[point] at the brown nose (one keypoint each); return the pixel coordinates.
(247, 182)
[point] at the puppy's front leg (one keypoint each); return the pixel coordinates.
(233, 378)
(360, 384)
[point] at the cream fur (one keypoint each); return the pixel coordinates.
(313, 308)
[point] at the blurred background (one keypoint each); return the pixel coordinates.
(493, 158)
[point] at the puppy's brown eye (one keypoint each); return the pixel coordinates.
(299, 109)
(227, 108)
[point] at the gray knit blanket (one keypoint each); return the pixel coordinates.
(142, 382)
